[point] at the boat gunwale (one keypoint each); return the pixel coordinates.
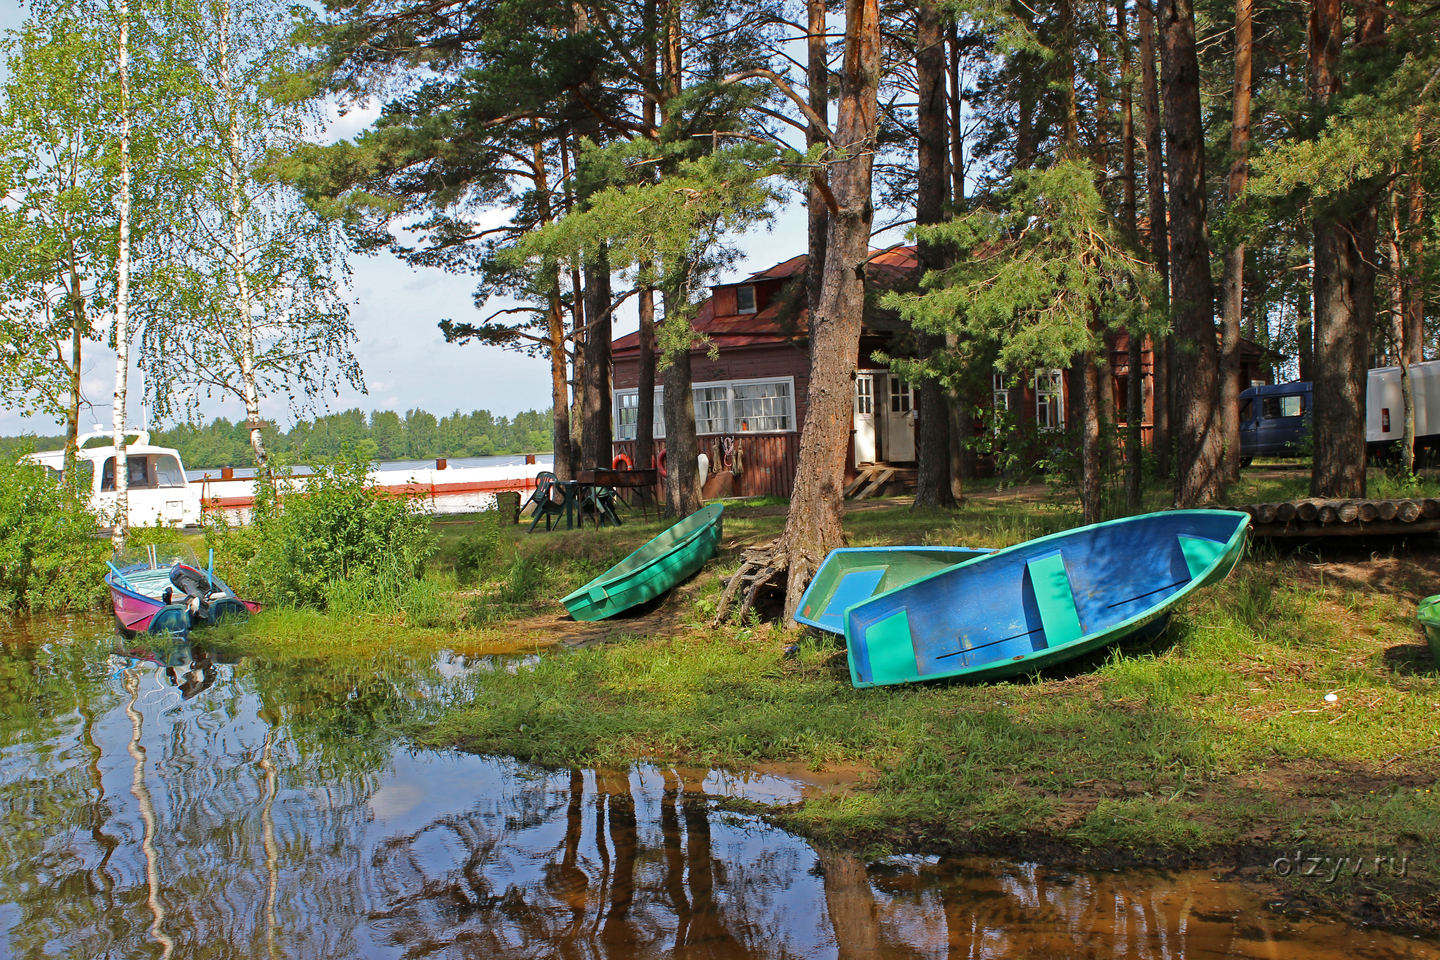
(607, 578)
(1039, 659)
(927, 548)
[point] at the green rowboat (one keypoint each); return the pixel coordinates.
(852, 574)
(1428, 616)
(665, 561)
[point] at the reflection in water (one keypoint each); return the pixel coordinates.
(269, 814)
(141, 790)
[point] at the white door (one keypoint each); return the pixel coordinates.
(864, 418)
(900, 422)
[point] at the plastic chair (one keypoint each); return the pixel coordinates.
(600, 501)
(547, 487)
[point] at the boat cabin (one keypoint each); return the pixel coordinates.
(159, 494)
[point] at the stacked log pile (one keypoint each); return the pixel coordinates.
(1305, 518)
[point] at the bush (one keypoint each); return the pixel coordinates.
(332, 527)
(480, 548)
(51, 553)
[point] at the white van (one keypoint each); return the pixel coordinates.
(159, 494)
(1385, 408)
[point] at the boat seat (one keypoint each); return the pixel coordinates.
(855, 586)
(1055, 600)
(1200, 552)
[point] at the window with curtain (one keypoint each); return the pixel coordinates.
(763, 406)
(712, 409)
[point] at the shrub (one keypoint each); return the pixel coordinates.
(480, 548)
(51, 553)
(330, 526)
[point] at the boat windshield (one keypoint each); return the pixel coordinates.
(156, 556)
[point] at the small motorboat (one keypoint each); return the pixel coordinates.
(1427, 616)
(673, 556)
(162, 589)
(852, 574)
(1043, 601)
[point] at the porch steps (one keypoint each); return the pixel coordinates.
(873, 477)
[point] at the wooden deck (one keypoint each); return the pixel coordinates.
(1340, 518)
(872, 477)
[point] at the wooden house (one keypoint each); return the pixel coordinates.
(751, 376)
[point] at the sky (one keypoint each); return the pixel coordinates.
(395, 309)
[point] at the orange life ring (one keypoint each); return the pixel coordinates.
(661, 464)
(619, 459)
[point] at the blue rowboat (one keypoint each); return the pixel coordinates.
(1041, 602)
(852, 574)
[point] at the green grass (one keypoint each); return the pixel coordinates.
(1215, 738)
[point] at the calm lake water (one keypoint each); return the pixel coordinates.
(169, 803)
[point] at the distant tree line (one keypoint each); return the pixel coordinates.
(383, 435)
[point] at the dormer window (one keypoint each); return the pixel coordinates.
(744, 299)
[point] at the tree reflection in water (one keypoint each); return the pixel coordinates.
(270, 814)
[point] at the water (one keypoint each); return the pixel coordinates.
(543, 461)
(187, 806)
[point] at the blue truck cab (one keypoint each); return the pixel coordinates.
(1274, 420)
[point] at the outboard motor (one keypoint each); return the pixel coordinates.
(196, 587)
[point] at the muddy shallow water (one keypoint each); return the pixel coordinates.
(167, 803)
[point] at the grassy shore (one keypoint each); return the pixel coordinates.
(1213, 744)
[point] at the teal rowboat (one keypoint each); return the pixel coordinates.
(1042, 602)
(648, 572)
(1428, 616)
(852, 574)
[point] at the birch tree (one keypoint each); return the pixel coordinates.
(57, 226)
(255, 278)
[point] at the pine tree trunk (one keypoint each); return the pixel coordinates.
(1134, 377)
(932, 429)
(1197, 427)
(1398, 336)
(813, 526)
(559, 389)
(555, 328)
(596, 445)
(1233, 282)
(645, 412)
(682, 449)
(1160, 366)
(1091, 491)
(817, 78)
(1344, 282)
(1415, 291)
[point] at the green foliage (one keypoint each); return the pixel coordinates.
(50, 554)
(386, 436)
(326, 528)
(1035, 279)
(667, 232)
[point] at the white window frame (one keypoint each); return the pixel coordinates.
(865, 394)
(732, 422)
(717, 400)
(753, 301)
(1049, 399)
(628, 431)
(999, 392)
(902, 395)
